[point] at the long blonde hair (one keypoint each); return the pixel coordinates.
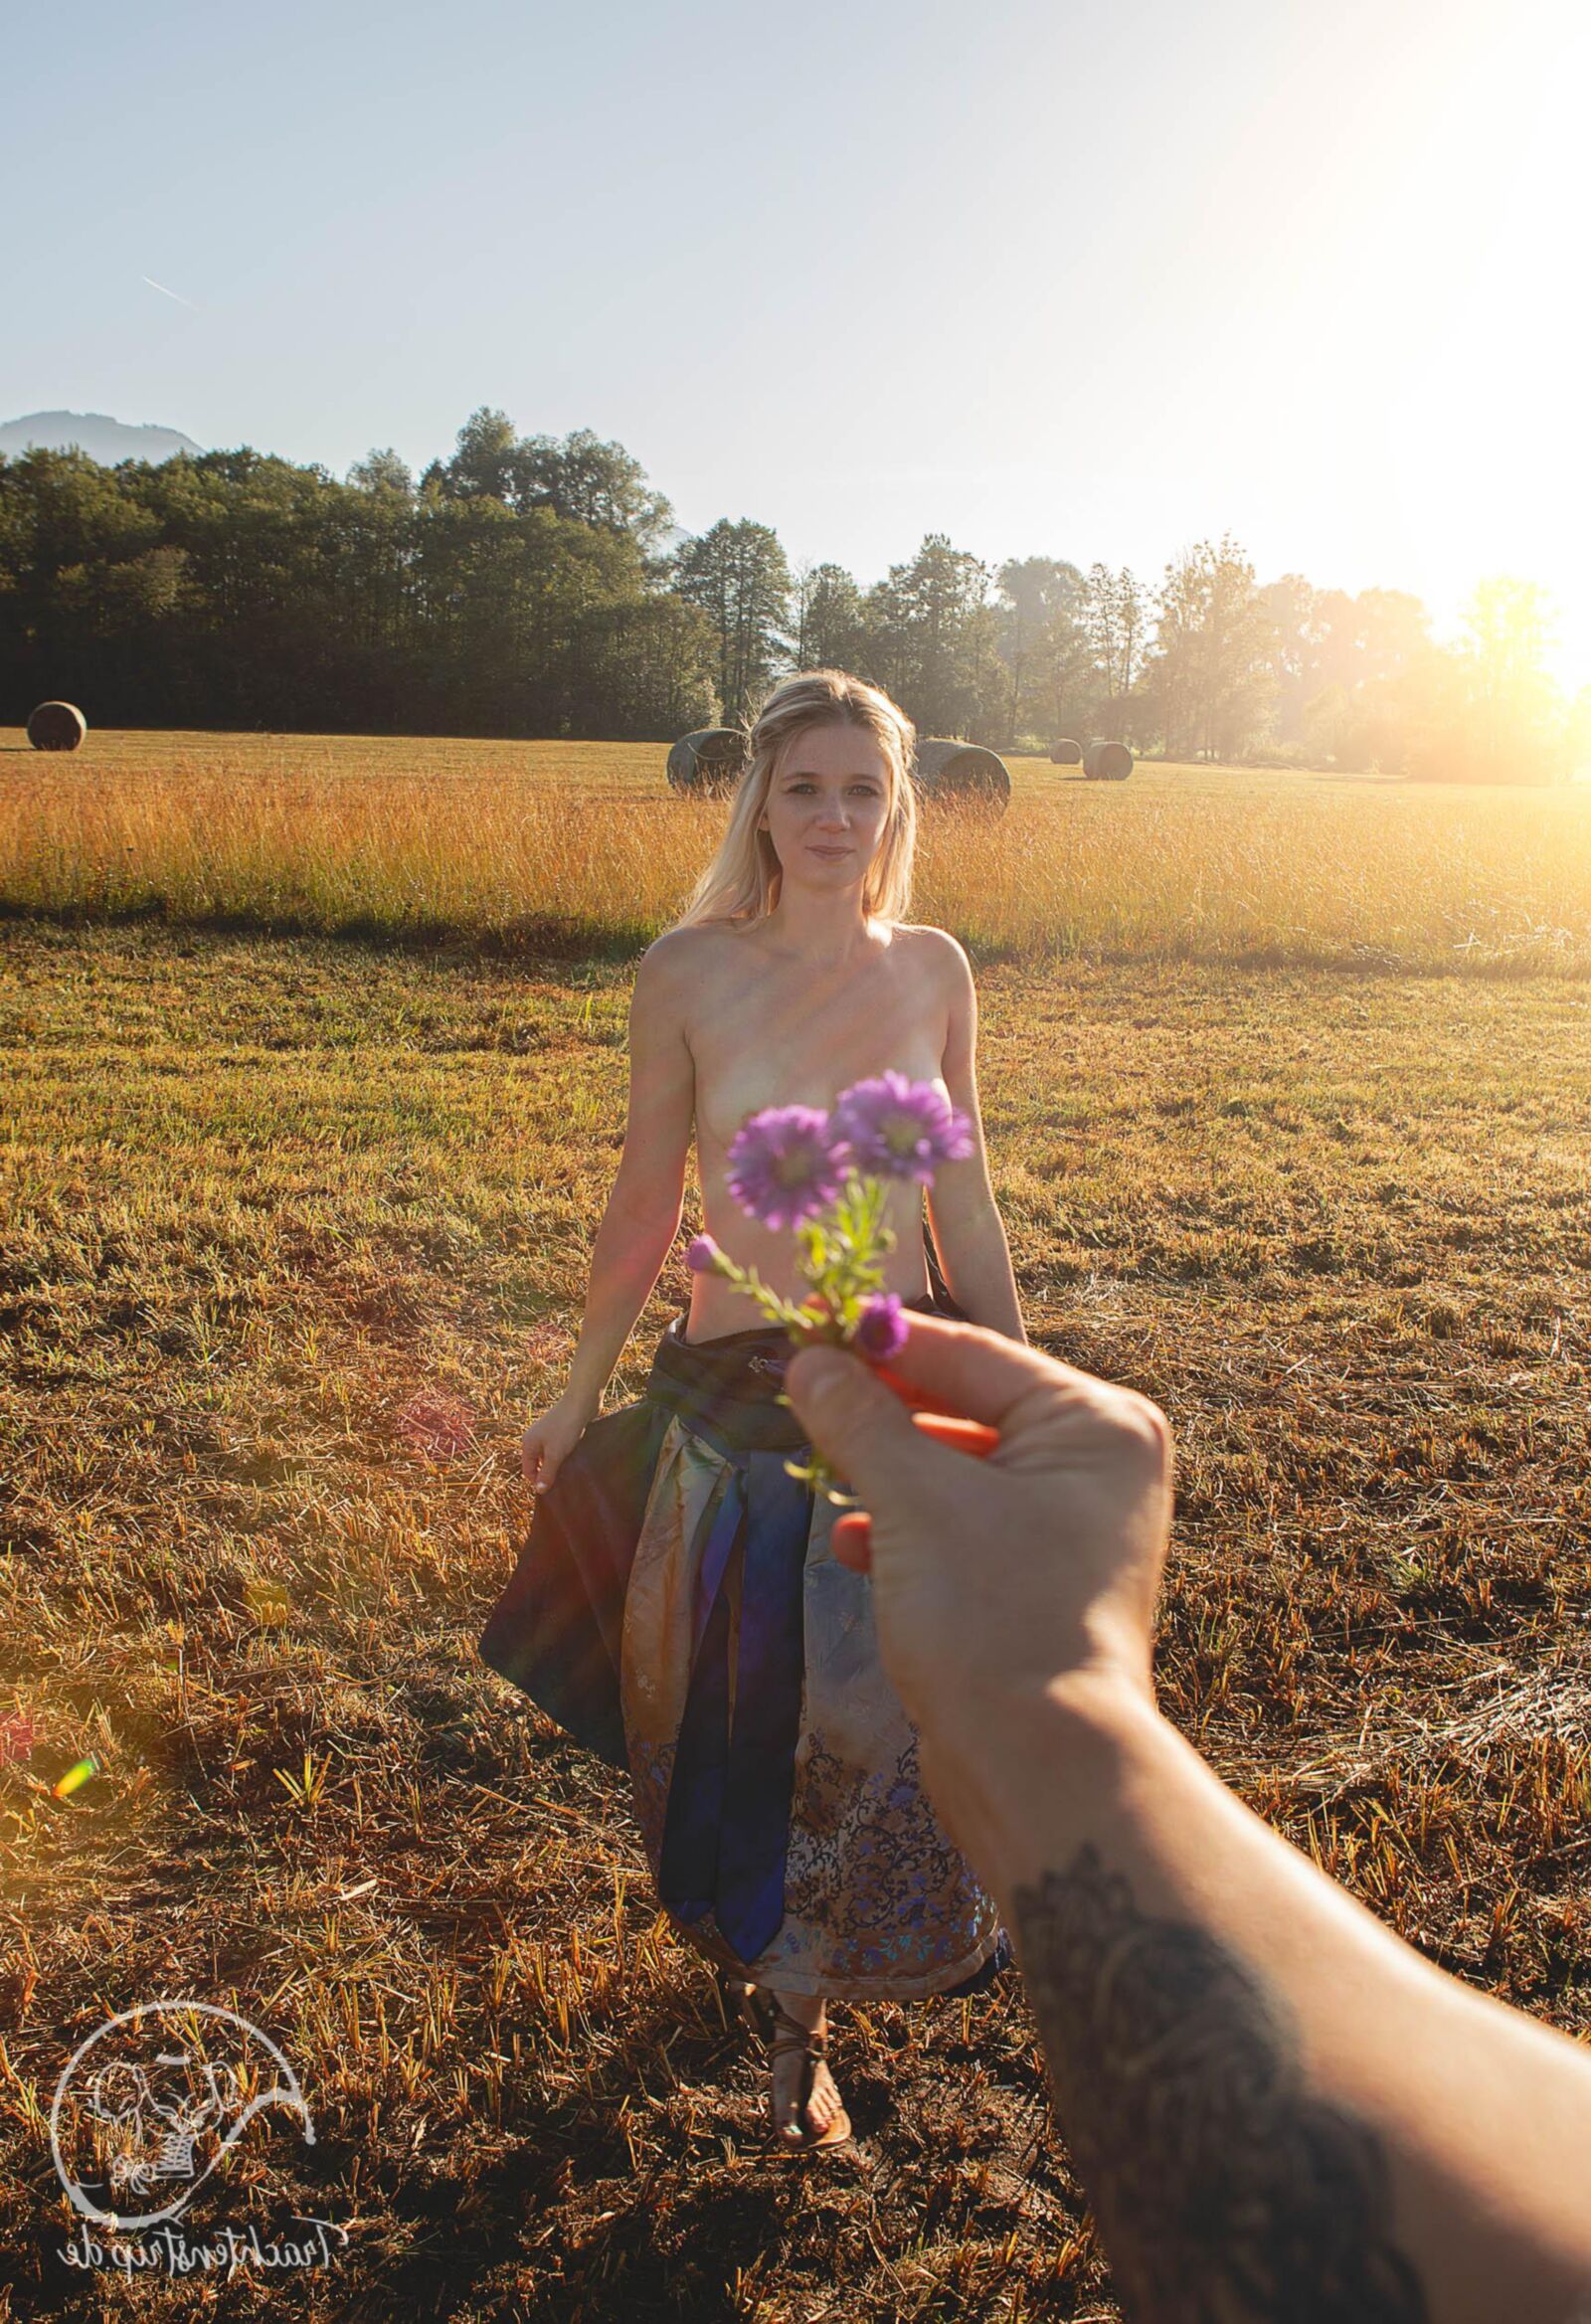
(742, 882)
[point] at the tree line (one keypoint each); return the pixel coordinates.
(539, 587)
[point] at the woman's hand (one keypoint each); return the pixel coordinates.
(548, 1442)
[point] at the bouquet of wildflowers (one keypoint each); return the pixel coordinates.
(828, 1176)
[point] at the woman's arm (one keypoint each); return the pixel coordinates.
(961, 1202)
(644, 1206)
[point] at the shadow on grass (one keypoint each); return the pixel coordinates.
(533, 939)
(544, 940)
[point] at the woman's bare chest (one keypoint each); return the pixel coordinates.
(765, 1037)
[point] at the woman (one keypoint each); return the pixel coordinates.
(676, 1565)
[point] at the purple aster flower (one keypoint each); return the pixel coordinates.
(881, 1329)
(899, 1128)
(783, 1166)
(700, 1253)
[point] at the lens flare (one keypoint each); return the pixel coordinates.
(75, 1777)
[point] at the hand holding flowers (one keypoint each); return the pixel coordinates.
(828, 1176)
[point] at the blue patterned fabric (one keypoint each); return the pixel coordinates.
(728, 1818)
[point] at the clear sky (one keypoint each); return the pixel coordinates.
(1087, 280)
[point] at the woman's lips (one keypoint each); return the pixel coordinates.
(830, 850)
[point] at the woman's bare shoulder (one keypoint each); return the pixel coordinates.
(938, 952)
(690, 949)
(684, 967)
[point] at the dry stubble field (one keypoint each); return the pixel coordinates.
(293, 1234)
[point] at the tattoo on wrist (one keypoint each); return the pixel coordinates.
(1221, 2186)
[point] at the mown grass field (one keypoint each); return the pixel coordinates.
(294, 1235)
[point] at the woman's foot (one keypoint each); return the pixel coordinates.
(807, 2103)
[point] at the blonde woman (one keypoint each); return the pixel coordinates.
(678, 1607)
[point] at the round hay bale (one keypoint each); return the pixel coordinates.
(57, 726)
(951, 770)
(1107, 761)
(1067, 753)
(709, 760)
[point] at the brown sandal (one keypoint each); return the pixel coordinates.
(792, 2035)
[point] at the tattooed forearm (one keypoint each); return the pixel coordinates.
(1222, 2188)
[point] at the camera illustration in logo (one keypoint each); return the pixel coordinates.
(154, 2101)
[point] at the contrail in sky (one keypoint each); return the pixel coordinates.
(176, 294)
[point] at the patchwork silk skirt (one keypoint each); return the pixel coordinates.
(677, 1610)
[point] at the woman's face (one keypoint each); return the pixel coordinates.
(828, 804)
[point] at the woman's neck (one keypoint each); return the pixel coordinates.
(826, 931)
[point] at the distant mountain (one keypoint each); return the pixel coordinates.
(96, 432)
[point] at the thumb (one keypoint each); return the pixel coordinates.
(857, 1423)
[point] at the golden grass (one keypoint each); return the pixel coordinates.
(523, 848)
(294, 1235)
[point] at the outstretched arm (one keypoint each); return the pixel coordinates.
(1280, 2111)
